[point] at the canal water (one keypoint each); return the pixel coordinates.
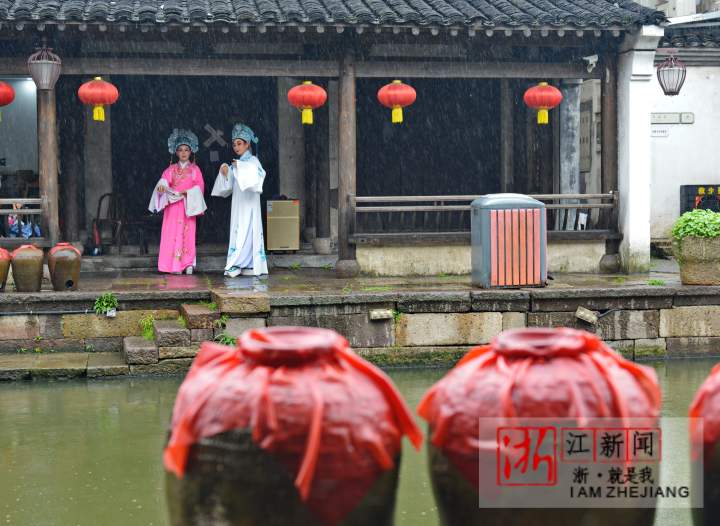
(87, 453)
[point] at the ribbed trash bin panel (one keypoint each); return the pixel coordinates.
(509, 241)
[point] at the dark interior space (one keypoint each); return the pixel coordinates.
(448, 143)
(150, 107)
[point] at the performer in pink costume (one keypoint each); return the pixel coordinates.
(179, 193)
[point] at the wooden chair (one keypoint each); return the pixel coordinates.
(110, 215)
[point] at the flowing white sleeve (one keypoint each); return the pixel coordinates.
(158, 201)
(195, 203)
(260, 179)
(223, 185)
(250, 175)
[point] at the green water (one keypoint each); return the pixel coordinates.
(89, 452)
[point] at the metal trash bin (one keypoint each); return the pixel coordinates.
(509, 241)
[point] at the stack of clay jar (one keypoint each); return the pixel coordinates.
(291, 427)
(27, 267)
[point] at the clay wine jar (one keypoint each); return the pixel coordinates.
(706, 439)
(4, 268)
(526, 373)
(289, 428)
(64, 264)
(27, 267)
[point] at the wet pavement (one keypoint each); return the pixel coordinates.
(324, 281)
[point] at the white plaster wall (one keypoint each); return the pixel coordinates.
(18, 129)
(690, 154)
(580, 256)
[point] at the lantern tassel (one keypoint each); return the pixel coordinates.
(307, 116)
(397, 115)
(543, 117)
(98, 113)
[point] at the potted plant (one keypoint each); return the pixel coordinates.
(106, 304)
(696, 243)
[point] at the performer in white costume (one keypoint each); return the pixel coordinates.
(243, 180)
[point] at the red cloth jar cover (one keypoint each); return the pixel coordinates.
(533, 373)
(706, 405)
(306, 398)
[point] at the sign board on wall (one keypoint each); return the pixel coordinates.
(586, 136)
(672, 118)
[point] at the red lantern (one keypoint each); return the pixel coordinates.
(7, 95)
(98, 93)
(543, 97)
(396, 95)
(306, 97)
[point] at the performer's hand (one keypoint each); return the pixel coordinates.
(161, 189)
(224, 169)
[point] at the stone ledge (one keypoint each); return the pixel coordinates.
(500, 300)
(471, 328)
(241, 302)
(690, 321)
(165, 367)
(16, 366)
(165, 353)
(413, 356)
(621, 298)
(693, 346)
(65, 365)
(199, 316)
(427, 302)
(236, 326)
(126, 323)
(170, 333)
(138, 350)
(103, 364)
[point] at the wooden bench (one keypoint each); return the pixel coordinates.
(30, 207)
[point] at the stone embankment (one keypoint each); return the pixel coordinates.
(394, 328)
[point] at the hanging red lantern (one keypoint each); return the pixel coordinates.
(307, 97)
(396, 95)
(7, 95)
(543, 97)
(99, 93)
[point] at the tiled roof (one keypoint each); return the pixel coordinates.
(697, 38)
(489, 13)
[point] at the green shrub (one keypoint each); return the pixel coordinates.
(147, 327)
(697, 223)
(106, 302)
(225, 339)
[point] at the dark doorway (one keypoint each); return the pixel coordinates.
(150, 107)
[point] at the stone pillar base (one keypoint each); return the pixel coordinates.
(309, 234)
(322, 245)
(347, 268)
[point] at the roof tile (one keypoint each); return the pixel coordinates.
(490, 13)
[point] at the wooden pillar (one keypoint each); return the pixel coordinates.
(48, 162)
(609, 144)
(321, 136)
(507, 183)
(347, 143)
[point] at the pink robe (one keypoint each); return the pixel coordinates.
(177, 242)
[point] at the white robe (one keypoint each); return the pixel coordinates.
(244, 181)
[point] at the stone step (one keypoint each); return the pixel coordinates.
(240, 302)
(171, 333)
(61, 365)
(200, 316)
(138, 350)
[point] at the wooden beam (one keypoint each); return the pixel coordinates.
(48, 162)
(189, 67)
(498, 70)
(463, 238)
